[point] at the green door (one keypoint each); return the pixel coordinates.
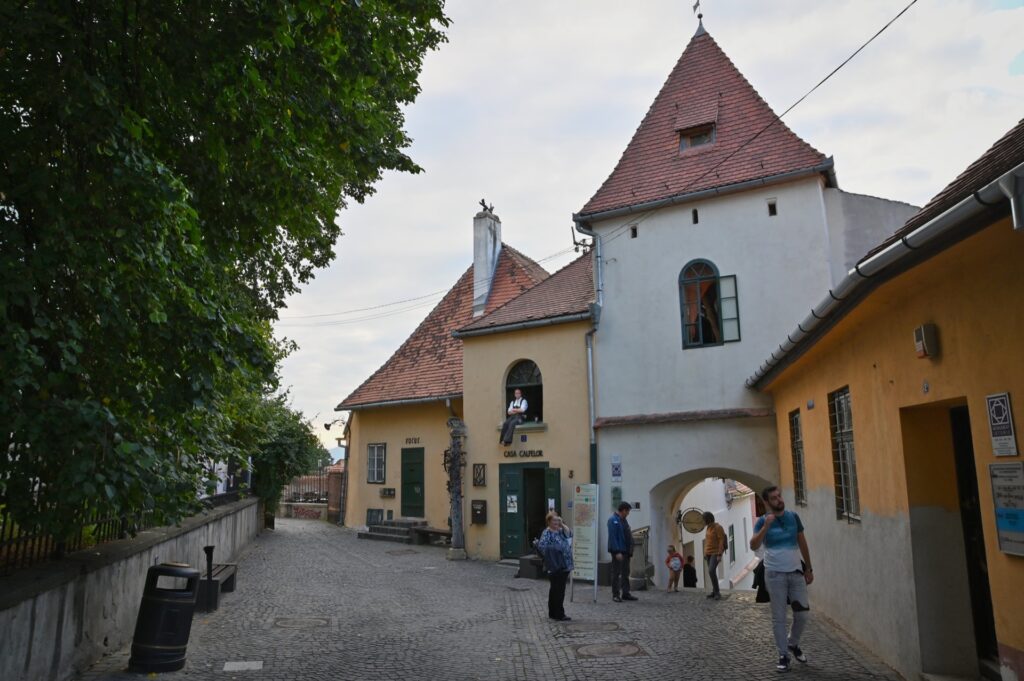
(412, 482)
(553, 488)
(510, 501)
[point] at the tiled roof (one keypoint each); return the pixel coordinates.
(428, 365)
(568, 291)
(1007, 152)
(703, 85)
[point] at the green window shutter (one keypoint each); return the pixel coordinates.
(730, 309)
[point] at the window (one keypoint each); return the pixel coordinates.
(696, 137)
(709, 306)
(844, 464)
(375, 465)
(525, 376)
(732, 544)
(633, 230)
(694, 216)
(796, 447)
(773, 208)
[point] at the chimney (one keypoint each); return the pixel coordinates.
(486, 247)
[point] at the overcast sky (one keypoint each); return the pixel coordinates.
(531, 103)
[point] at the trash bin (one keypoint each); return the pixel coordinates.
(165, 620)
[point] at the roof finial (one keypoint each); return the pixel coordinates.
(700, 19)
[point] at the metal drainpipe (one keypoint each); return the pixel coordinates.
(590, 402)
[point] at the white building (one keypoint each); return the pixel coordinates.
(716, 229)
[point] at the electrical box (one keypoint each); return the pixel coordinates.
(478, 512)
(926, 341)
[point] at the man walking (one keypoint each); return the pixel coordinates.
(715, 544)
(620, 545)
(787, 572)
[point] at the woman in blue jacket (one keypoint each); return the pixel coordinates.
(555, 546)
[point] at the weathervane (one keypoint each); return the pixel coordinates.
(696, 8)
(487, 209)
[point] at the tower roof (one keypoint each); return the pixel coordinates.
(704, 90)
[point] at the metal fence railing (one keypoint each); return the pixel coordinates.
(310, 488)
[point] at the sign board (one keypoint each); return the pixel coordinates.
(1008, 498)
(616, 468)
(1000, 424)
(693, 521)
(585, 516)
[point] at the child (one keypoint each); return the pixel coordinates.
(689, 574)
(674, 561)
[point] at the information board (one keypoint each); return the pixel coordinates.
(1008, 497)
(585, 532)
(1000, 424)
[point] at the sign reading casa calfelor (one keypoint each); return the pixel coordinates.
(523, 453)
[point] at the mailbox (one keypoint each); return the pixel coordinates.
(478, 511)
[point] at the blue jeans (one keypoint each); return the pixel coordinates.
(713, 562)
(787, 588)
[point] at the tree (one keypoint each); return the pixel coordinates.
(171, 171)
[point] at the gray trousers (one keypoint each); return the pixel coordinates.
(713, 562)
(791, 587)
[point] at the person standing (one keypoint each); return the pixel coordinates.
(516, 411)
(674, 563)
(555, 546)
(689, 574)
(715, 545)
(787, 571)
(620, 545)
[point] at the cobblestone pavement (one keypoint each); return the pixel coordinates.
(314, 603)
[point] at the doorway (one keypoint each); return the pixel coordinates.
(527, 491)
(412, 483)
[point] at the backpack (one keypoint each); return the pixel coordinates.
(675, 565)
(725, 540)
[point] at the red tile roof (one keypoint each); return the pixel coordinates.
(703, 85)
(1007, 152)
(428, 365)
(568, 291)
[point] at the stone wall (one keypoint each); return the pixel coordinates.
(58, 618)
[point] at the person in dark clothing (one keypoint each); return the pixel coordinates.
(555, 546)
(620, 545)
(689, 574)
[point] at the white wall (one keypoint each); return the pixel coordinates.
(857, 223)
(710, 495)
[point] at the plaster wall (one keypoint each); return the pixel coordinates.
(973, 293)
(781, 268)
(564, 438)
(408, 426)
(856, 223)
(57, 619)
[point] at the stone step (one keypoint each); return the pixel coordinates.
(385, 537)
(403, 522)
(389, 529)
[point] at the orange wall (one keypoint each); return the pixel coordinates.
(974, 293)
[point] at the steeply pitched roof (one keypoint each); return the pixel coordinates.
(568, 291)
(428, 365)
(704, 87)
(1002, 156)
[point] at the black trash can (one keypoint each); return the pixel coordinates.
(165, 620)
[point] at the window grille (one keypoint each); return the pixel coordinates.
(796, 447)
(844, 464)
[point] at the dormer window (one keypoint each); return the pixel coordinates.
(696, 137)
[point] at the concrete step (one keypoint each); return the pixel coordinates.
(404, 522)
(389, 529)
(385, 537)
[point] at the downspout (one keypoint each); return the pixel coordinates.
(590, 403)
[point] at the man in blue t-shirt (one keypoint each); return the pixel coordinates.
(787, 572)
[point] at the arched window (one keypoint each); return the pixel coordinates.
(525, 376)
(708, 304)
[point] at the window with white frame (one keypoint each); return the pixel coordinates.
(709, 305)
(376, 463)
(844, 462)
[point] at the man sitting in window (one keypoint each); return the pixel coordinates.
(516, 410)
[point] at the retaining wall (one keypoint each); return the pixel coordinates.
(58, 618)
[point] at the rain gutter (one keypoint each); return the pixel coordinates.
(518, 326)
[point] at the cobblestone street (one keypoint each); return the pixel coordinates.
(315, 603)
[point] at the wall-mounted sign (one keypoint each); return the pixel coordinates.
(692, 521)
(523, 453)
(1008, 498)
(1000, 425)
(511, 503)
(616, 468)
(412, 440)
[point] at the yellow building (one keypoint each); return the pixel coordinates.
(896, 401)
(536, 343)
(397, 429)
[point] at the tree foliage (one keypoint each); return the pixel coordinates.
(170, 172)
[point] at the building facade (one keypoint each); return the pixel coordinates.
(895, 408)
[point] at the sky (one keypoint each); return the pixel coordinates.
(530, 103)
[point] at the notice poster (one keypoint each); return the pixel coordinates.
(1008, 498)
(585, 534)
(1000, 425)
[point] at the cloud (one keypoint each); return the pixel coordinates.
(531, 103)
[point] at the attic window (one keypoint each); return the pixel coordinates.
(633, 231)
(696, 137)
(773, 208)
